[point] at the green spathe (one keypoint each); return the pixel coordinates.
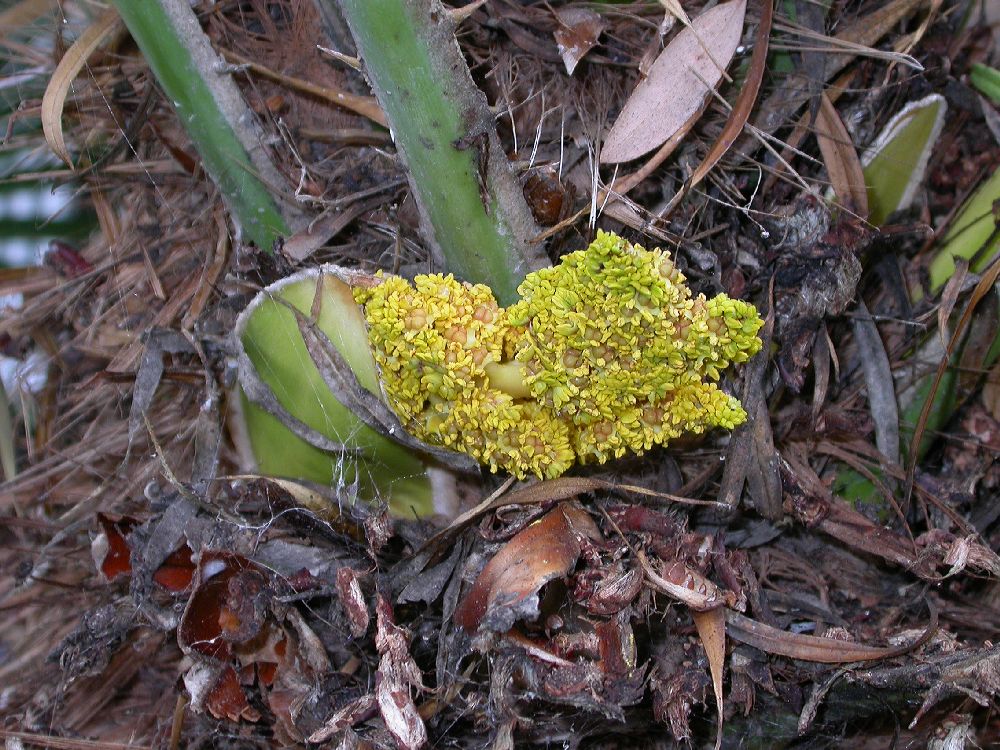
(895, 164)
(270, 336)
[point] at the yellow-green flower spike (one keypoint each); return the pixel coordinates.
(604, 354)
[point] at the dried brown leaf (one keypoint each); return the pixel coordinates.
(684, 584)
(879, 382)
(110, 550)
(395, 681)
(842, 162)
(771, 640)
(62, 79)
(678, 83)
(226, 699)
(577, 34)
(674, 8)
(226, 606)
(345, 716)
(949, 298)
(507, 588)
(711, 627)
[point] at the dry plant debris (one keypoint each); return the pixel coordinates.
(156, 593)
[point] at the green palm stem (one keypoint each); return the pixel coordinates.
(211, 110)
(473, 213)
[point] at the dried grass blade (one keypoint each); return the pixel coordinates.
(842, 162)
(7, 454)
(949, 298)
(69, 67)
(673, 7)
(366, 106)
(458, 15)
(855, 40)
(983, 288)
(22, 14)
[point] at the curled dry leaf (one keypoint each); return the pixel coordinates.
(62, 79)
(678, 83)
(577, 34)
(396, 680)
(684, 584)
(226, 607)
(615, 592)
(355, 711)
(110, 550)
(771, 640)
(353, 601)
(507, 589)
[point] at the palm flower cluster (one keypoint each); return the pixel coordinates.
(605, 353)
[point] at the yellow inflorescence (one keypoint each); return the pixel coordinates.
(605, 353)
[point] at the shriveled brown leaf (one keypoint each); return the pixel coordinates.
(676, 86)
(684, 584)
(353, 601)
(577, 34)
(226, 699)
(752, 458)
(345, 716)
(507, 588)
(396, 680)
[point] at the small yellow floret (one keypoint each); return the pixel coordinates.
(605, 353)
